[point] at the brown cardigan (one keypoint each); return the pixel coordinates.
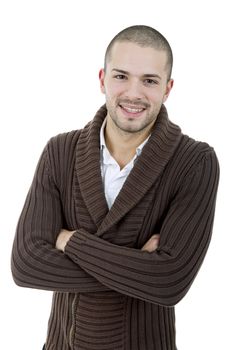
(108, 294)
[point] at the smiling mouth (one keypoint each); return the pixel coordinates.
(132, 109)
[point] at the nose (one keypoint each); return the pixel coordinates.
(134, 90)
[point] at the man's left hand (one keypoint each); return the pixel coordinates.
(62, 239)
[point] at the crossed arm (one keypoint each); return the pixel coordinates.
(65, 235)
(158, 273)
(165, 267)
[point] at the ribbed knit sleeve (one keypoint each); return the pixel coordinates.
(165, 275)
(35, 261)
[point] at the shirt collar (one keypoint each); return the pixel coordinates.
(102, 138)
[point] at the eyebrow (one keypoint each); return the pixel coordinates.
(144, 75)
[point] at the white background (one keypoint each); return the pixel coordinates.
(51, 52)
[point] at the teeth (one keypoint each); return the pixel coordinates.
(133, 110)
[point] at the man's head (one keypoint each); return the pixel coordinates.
(136, 78)
(143, 36)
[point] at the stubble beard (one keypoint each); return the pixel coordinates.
(148, 120)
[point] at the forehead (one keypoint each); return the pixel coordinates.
(130, 56)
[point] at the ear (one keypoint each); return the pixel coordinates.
(169, 86)
(101, 79)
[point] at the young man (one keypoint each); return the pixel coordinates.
(119, 215)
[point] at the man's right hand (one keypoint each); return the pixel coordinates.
(152, 244)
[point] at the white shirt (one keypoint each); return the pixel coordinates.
(113, 177)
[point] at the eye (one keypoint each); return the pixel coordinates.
(120, 76)
(151, 82)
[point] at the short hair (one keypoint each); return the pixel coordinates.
(144, 36)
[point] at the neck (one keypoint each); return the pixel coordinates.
(122, 145)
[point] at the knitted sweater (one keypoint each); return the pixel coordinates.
(108, 294)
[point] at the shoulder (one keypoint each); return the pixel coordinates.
(194, 162)
(60, 154)
(62, 146)
(191, 153)
(64, 140)
(191, 158)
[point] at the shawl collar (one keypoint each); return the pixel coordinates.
(149, 166)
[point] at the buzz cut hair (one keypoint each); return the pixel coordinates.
(143, 36)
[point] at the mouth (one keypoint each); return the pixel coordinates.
(133, 111)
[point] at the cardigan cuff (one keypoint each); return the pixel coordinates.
(74, 244)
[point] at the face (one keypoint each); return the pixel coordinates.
(135, 85)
